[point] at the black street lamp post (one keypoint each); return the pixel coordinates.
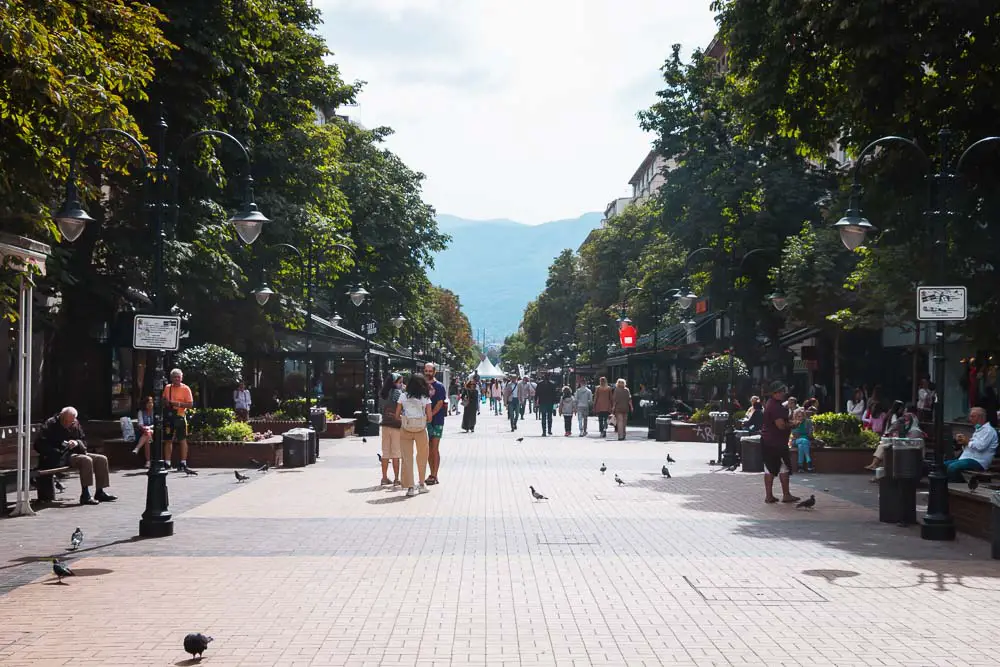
(369, 328)
(309, 261)
(72, 219)
(853, 227)
(686, 297)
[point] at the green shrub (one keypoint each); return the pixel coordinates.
(700, 416)
(843, 424)
(234, 432)
(859, 440)
(294, 408)
(210, 418)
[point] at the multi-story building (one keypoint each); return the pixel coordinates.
(649, 177)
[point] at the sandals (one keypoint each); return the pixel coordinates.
(771, 500)
(431, 480)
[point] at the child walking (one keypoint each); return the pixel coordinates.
(567, 406)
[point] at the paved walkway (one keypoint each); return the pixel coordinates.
(319, 566)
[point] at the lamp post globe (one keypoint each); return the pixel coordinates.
(71, 219)
(685, 300)
(358, 295)
(779, 301)
(853, 228)
(249, 223)
(262, 295)
(398, 321)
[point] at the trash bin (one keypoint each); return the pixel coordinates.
(651, 418)
(317, 418)
(897, 481)
(369, 429)
(294, 448)
(751, 454)
(731, 456)
(663, 428)
(312, 451)
(995, 520)
(720, 420)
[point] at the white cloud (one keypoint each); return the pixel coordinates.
(523, 109)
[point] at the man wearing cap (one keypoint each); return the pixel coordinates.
(774, 434)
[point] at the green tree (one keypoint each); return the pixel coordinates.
(211, 366)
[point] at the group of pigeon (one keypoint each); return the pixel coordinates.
(257, 465)
(195, 643)
(604, 468)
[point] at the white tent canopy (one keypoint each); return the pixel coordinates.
(487, 370)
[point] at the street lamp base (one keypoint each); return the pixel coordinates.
(156, 521)
(938, 524)
(156, 527)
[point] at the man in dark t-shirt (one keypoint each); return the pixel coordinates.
(774, 434)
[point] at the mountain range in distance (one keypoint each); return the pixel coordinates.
(497, 266)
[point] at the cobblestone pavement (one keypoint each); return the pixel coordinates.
(319, 566)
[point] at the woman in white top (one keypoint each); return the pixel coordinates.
(144, 432)
(856, 405)
(414, 404)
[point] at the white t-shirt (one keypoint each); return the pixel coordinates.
(414, 407)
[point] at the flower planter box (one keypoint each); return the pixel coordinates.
(201, 454)
(686, 432)
(972, 511)
(276, 427)
(837, 460)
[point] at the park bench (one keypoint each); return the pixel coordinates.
(43, 479)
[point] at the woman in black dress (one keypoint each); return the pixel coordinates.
(470, 399)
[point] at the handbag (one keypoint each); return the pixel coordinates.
(389, 418)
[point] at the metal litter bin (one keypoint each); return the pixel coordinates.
(294, 447)
(751, 453)
(369, 429)
(651, 418)
(312, 452)
(664, 427)
(897, 480)
(317, 419)
(720, 420)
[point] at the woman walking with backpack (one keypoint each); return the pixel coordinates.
(414, 412)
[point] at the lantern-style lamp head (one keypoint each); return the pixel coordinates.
(853, 228)
(71, 218)
(398, 321)
(358, 295)
(249, 223)
(686, 299)
(262, 294)
(336, 319)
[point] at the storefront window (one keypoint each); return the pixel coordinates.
(122, 381)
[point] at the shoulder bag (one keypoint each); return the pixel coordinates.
(389, 418)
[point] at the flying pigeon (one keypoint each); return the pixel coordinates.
(618, 479)
(973, 483)
(255, 463)
(519, 440)
(665, 472)
(670, 459)
(265, 467)
(196, 644)
(808, 503)
(603, 467)
(239, 477)
(61, 570)
(76, 539)
(536, 495)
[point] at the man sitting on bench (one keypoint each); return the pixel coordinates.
(978, 451)
(61, 443)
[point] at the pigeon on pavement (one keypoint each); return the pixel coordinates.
(618, 479)
(603, 467)
(670, 459)
(196, 644)
(188, 472)
(973, 483)
(519, 440)
(59, 486)
(379, 457)
(536, 495)
(665, 472)
(61, 570)
(239, 477)
(265, 467)
(76, 539)
(808, 503)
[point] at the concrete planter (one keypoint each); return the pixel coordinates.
(687, 432)
(276, 427)
(201, 454)
(837, 460)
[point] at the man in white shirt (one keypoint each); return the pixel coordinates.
(979, 449)
(584, 397)
(241, 402)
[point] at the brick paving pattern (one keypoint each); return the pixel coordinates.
(319, 566)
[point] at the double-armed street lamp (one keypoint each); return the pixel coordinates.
(309, 261)
(854, 227)
(686, 297)
(161, 194)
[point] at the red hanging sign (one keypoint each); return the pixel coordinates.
(628, 335)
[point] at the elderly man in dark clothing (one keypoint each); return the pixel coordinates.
(61, 442)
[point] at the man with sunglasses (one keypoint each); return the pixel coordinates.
(435, 427)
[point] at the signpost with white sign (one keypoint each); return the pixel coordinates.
(156, 332)
(371, 328)
(941, 304)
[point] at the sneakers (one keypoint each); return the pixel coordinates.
(410, 492)
(423, 489)
(385, 481)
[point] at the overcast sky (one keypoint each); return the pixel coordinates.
(520, 109)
